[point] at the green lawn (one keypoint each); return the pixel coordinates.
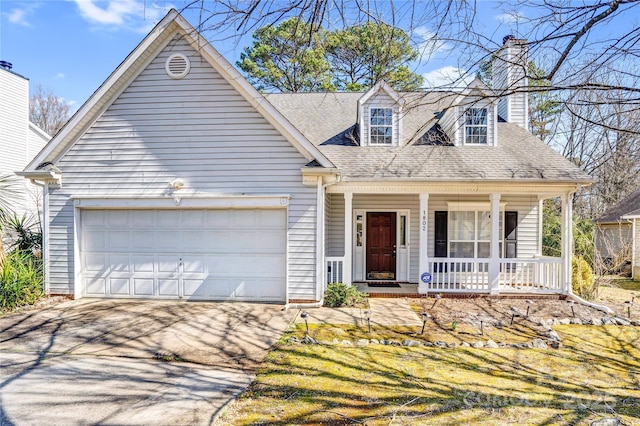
(596, 373)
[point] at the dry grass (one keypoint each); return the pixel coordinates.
(596, 373)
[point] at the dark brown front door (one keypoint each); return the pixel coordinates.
(381, 246)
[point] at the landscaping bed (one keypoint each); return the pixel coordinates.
(595, 374)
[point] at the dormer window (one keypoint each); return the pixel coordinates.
(381, 126)
(475, 126)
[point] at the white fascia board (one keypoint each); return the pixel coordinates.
(382, 85)
(39, 131)
(268, 111)
(61, 139)
(177, 201)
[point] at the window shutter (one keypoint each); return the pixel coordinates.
(440, 233)
(510, 234)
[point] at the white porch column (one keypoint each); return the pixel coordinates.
(494, 263)
(567, 241)
(423, 257)
(347, 277)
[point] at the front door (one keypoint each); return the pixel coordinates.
(381, 246)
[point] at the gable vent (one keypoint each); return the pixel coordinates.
(177, 66)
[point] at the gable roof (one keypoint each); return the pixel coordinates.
(328, 120)
(628, 206)
(136, 62)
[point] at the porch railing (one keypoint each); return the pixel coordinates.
(334, 269)
(531, 275)
(464, 275)
(459, 275)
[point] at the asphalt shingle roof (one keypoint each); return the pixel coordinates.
(328, 120)
(629, 205)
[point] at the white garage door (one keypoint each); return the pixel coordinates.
(191, 254)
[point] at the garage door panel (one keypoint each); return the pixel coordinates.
(200, 254)
(167, 241)
(143, 286)
(94, 239)
(142, 263)
(95, 262)
(119, 241)
(119, 286)
(119, 263)
(193, 264)
(118, 218)
(143, 240)
(96, 287)
(207, 289)
(168, 263)
(168, 287)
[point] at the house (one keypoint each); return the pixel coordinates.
(177, 179)
(617, 236)
(20, 139)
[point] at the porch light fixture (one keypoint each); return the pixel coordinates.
(529, 303)
(304, 316)
(571, 303)
(425, 317)
(629, 303)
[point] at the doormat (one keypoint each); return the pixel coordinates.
(382, 285)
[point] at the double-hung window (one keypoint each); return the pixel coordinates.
(475, 126)
(381, 126)
(470, 234)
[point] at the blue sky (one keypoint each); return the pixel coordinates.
(71, 46)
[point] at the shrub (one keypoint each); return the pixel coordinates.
(582, 279)
(339, 294)
(21, 280)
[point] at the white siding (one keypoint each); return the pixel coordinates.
(335, 228)
(509, 76)
(453, 121)
(198, 129)
(612, 238)
(19, 142)
(14, 121)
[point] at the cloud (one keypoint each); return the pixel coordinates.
(510, 18)
(135, 15)
(60, 75)
(429, 43)
(447, 77)
(19, 15)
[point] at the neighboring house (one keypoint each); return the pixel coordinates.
(177, 179)
(617, 237)
(20, 140)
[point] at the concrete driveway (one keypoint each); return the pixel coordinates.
(131, 362)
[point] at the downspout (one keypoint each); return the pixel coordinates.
(320, 244)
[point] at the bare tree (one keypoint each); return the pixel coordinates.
(48, 111)
(590, 52)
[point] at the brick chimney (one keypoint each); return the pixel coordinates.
(509, 71)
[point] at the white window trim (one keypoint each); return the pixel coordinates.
(475, 206)
(394, 119)
(465, 125)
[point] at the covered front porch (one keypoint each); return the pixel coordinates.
(444, 239)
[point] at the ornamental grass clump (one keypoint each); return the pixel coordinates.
(21, 280)
(340, 294)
